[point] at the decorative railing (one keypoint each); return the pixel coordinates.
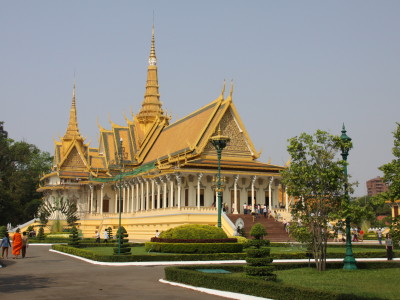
(153, 212)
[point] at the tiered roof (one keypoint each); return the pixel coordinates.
(149, 140)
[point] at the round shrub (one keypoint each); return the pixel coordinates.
(240, 239)
(263, 252)
(258, 231)
(259, 261)
(194, 232)
(259, 271)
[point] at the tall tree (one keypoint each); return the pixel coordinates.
(391, 176)
(391, 170)
(316, 178)
(21, 165)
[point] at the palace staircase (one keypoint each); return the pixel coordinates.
(275, 231)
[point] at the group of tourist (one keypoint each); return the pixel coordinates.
(261, 210)
(19, 244)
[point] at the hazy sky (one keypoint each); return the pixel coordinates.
(297, 66)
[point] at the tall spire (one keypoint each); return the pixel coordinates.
(72, 129)
(152, 58)
(151, 105)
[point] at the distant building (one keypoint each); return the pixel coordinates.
(376, 186)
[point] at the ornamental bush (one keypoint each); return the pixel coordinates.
(124, 248)
(259, 256)
(194, 247)
(110, 233)
(40, 235)
(73, 238)
(194, 232)
(258, 231)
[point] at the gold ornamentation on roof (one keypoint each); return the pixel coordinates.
(151, 110)
(72, 129)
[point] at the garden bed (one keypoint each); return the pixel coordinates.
(296, 281)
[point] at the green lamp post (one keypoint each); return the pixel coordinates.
(349, 260)
(219, 142)
(120, 162)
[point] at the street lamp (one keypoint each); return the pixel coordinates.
(219, 142)
(349, 260)
(121, 166)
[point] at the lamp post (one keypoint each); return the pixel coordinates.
(120, 162)
(219, 142)
(349, 260)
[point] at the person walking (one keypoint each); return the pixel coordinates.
(380, 236)
(17, 244)
(25, 243)
(5, 244)
(97, 234)
(362, 235)
(105, 235)
(389, 247)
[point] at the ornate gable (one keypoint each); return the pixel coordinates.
(74, 161)
(238, 145)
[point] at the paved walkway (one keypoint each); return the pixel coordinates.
(46, 275)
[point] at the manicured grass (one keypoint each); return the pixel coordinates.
(274, 250)
(331, 249)
(134, 250)
(379, 283)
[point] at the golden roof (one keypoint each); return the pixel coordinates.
(149, 138)
(151, 105)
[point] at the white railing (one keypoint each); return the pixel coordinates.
(152, 212)
(24, 225)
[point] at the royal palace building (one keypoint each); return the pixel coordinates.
(163, 173)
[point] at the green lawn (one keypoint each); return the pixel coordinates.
(334, 249)
(382, 283)
(274, 250)
(109, 251)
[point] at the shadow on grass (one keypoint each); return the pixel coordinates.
(19, 283)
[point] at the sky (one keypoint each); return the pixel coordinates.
(297, 66)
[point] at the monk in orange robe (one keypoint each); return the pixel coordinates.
(17, 244)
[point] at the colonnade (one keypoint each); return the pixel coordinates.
(177, 190)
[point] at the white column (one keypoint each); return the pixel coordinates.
(198, 189)
(137, 196)
(287, 200)
(147, 195)
(123, 197)
(164, 181)
(141, 194)
(158, 194)
(179, 182)
(91, 198)
(253, 202)
(235, 178)
(132, 196)
(171, 195)
(152, 194)
(101, 198)
(270, 193)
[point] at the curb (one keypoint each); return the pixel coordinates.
(230, 295)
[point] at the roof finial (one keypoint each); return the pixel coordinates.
(152, 58)
(231, 90)
(72, 129)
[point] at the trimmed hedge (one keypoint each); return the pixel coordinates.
(194, 232)
(161, 240)
(194, 247)
(255, 287)
(149, 257)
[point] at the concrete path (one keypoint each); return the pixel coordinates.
(46, 275)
